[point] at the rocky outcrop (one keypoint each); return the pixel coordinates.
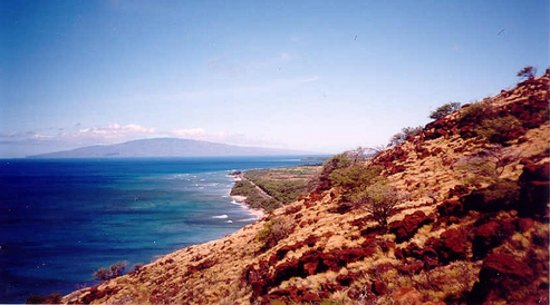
(312, 262)
(500, 275)
(535, 183)
(490, 235)
(406, 228)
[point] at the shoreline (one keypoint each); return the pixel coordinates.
(241, 200)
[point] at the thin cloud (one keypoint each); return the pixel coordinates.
(49, 140)
(191, 132)
(117, 133)
(114, 131)
(21, 137)
(201, 134)
(93, 135)
(217, 136)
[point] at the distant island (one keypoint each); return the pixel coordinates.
(167, 147)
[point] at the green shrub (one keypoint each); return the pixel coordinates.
(487, 124)
(352, 180)
(379, 199)
(479, 169)
(354, 177)
(444, 110)
(336, 162)
(115, 270)
(267, 204)
(273, 231)
(242, 188)
(500, 129)
(474, 113)
(323, 181)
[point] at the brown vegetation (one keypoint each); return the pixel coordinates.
(115, 270)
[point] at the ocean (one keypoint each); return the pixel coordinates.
(61, 220)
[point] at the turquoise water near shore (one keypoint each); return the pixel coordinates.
(60, 220)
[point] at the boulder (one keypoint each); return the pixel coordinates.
(490, 234)
(458, 190)
(450, 207)
(425, 254)
(452, 245)
(500, 196)
(406, 228)
(379, 287)
(499, 275)
(534, 185)
(410, 267)
(313, 261)
(500, 265)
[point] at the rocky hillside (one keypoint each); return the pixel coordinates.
(464, 220)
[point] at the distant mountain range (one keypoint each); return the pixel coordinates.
(167, 147)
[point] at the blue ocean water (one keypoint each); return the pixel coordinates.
(60, 220)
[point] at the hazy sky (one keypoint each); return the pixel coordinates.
(317, 75)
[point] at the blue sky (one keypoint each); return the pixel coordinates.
(322, 76)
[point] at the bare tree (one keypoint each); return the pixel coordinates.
(373, 152)
(273, 231)
(356, 155)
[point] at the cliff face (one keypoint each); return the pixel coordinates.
(472, 229)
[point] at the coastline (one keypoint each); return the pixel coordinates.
(241, 200)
